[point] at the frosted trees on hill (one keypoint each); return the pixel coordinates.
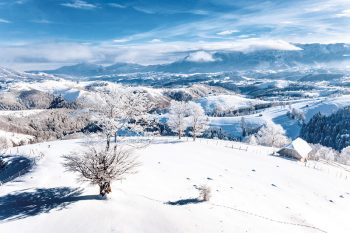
(121, 109)
(101, 166)
(270, 135)
(345, 156)
(197, 120)
(183, 115)
(296, 115)
(322, 152)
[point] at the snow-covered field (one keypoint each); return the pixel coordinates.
(227, 102)
(252, 191)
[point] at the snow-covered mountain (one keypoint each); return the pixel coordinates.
(9, 75)
(90, 69)
(307, 56)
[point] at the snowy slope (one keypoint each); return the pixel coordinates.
(8, 75)
(15, 138)
(227, 102)
(232, 125)
(252, 192)
(278, 115)
(327, 106)
(69, 90)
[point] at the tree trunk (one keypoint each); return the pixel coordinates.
(108, 141)
(179, 134)
(105, 188)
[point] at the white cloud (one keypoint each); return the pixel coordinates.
(121, 40)
(155, 40)
(144, 10)
(4, 21)
(41, 21)
(227, 32)
(289, 21)
(117, 5)
(344, 13)
(200, 56)
(79, 4)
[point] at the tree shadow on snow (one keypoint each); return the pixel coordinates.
(15, 166)
(20, 205)
(185, 201)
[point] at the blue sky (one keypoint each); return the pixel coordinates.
(50, 33)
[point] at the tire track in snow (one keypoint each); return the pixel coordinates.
(267, 218)
(247, 213)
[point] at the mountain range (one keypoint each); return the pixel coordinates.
(308, 55)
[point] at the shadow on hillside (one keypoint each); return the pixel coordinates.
(15, 166)
(184, 201)
(20, 205)
(166, 141)
(291, 127)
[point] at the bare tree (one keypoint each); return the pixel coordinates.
(102, 166)
(197, 120)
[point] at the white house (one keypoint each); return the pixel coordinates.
(298, 149)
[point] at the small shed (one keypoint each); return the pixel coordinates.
(298, 149)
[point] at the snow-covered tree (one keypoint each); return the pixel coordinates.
(197, 120)
(271, 135)
(322, 152)
(296, 115)
(3, 146)
(121, 109)
(251, 140)
(178, 113)
(101, 166)
(344, 157)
